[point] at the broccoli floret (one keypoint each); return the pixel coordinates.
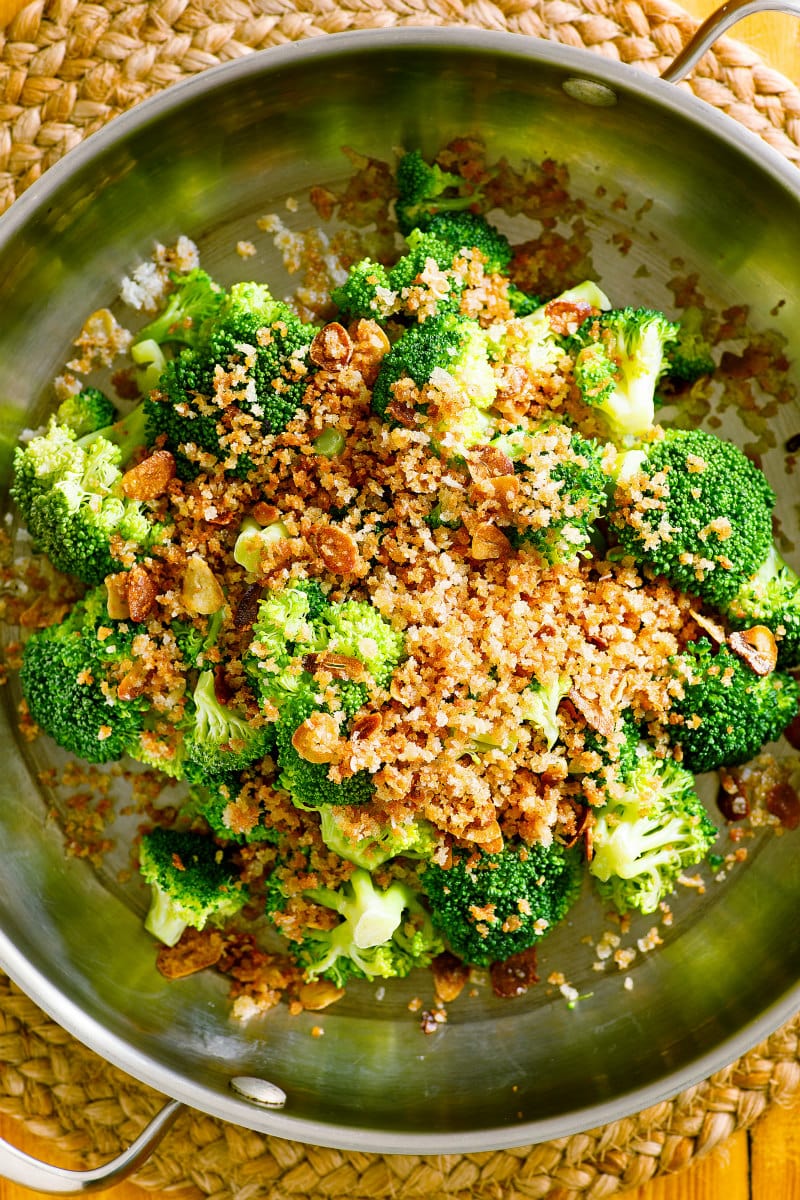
(69, 495)
(298, 622)
(280, 342)
(490, 906)
(771, 597)
(357, 629)
(293, 632)
(424, 190)
(448, 357)
(231, 812)
(522, 304)
(194, 299)
(86, 412)
(308, 783)
(371, 290)
(581, 499)
(446, 238)
(539, 706)
(286, 628)
(262, 338)
(383, 934)
(620, 357)
(193, 642)
(410, 271)
(192, 882)
(471, 231)
(69, 675)
(365, 293)
(173, 415)
(728, 711)
(644, 841)
(530, 336)
(707, 519)
(221, 740)
(689, 356)
(414, 838)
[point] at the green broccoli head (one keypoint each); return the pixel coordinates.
(249, 330)
(383, 933)
(563, 524)
(68, 680)
(173, 415)
(449, 356)
(86, 412)
(530, 335)
(232, 807)
(194, 299)
(297, 624)
(192, 882)
(306, 776)
(727, 711)
(371, 290)
(220, 740)
(280, 341)
(365, 293)
(620, 357)
(771, 597)
(356, 628)
(490, 906)
(706, 518)
(689, 356)
(69, 495)
(414, 838)
(424, 190)
(471, 231)
(644, 841)
(295, 630)
(285, 630)
(411, 271)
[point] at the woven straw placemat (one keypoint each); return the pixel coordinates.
(65, 1093)
(67, 67)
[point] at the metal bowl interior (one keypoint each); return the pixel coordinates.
(207, 158)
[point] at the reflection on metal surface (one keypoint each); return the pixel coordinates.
(589, 91)
(259, 1091)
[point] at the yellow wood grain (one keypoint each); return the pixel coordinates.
(764, 1165)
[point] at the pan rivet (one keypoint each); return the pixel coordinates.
(589, 91)
(259, 1091)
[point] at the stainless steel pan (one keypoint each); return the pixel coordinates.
(207, 158)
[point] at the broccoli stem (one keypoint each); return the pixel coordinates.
(162, 920)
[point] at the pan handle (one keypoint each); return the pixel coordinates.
(716, 25)
(21, 1168)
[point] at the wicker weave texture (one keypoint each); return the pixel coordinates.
(66, 68)
(67, 1094)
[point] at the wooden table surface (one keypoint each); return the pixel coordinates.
(763, 1164)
